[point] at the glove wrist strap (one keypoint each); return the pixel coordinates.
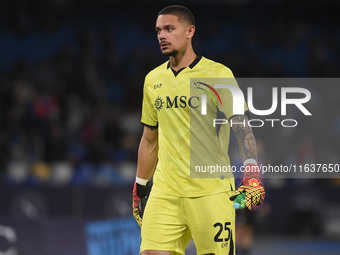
(251, 169)
(142, 191)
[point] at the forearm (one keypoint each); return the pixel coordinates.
(251, 183)
(245, 138)
(147, 158)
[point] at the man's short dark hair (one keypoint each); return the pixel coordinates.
(183, 13)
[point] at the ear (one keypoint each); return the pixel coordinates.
(190, 31)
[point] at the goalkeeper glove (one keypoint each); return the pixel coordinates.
(252, 185)
(139, 194)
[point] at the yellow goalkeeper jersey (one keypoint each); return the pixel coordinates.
(192, 114)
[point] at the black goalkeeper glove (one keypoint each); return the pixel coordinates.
(139, 193)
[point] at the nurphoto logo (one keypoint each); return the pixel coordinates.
(238, 105)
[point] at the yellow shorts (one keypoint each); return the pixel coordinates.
(170, 222)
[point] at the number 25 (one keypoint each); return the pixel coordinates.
(226, 228)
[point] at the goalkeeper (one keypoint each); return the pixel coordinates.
(180, 207)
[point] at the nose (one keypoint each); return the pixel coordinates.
(161, 35)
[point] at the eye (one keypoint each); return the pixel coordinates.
(170, 29)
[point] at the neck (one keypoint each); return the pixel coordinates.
(182, 59)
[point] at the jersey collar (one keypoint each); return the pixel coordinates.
(191, 66)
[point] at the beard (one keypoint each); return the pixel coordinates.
(171, 53)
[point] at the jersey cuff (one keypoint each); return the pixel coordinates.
(247, 113)
(150, 126)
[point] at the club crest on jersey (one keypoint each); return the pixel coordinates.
(159, 103)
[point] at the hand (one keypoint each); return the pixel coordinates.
(254, 192)
(139, 194)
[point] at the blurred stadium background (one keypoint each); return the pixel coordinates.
(71, 77)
